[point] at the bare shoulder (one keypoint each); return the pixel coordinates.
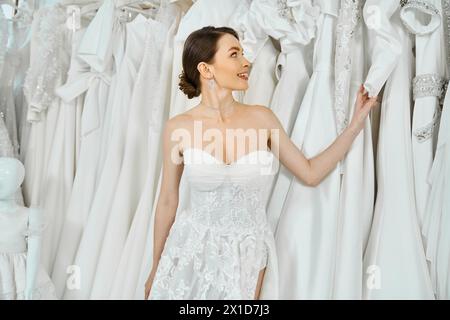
(262, 114)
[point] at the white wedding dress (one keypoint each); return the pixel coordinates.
(305, 218)
(436, 223)
(126, 277)
(425, 20)
(394, 261)
(436, 228)
(90, 247)
(147, 113)
(101, 49)
(221, 240)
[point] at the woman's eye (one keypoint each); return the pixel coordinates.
(234, 54)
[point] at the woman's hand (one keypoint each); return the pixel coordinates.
(363, 105)
(149, 282)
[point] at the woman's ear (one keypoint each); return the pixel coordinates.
(205, 70)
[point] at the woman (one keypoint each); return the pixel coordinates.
(220, 246)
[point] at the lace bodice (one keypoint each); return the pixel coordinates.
(228, 197)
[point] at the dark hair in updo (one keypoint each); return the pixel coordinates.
(200, 46)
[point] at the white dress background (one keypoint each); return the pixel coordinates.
(427, 24)
(306, 218)
(436, 224)
(106, 29)
(394, 261)
(146, 116)
(126, 284)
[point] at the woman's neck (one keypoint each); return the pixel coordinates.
(221, 104)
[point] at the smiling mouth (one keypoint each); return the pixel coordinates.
(243, 76)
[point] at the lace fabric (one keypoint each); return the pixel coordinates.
(349, 17)
(426, 132)
(427, 85)
(424, 86)
(49, 60)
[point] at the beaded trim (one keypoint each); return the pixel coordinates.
(418, 4)
(427, 85)
(285, 11)
(426, 132)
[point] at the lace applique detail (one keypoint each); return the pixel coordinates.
(216, 248)
(420, 5)
(153, 46)
(349, 17)
(426, 132)
(429, 85)
(51, 58)
(303, 14)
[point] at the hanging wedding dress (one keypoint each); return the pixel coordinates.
(62, 162)
(15, 37)
(101, 48)
(49, 62)
(436, 224)
(394, 261)
(148, 110)
(425, 21)
(219, 243)
(22, 35)
(354, 215)
(305, 219)
(125, 284)
(437, 221)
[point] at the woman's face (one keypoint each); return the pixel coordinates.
(230, 67)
